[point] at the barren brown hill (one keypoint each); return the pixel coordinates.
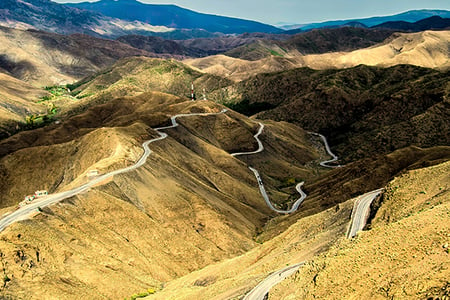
(41, 58)
(18, 100)
(405, 255)
(135, 75)
(202, 202)
(190, 206)
(313, 42)
(426, 49)
(362, 110)
(227, 43)
(308, 236)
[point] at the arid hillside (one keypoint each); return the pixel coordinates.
(18, 100)
(308, 236)
(313, 42)
(134, 75)
(426, 49)
(362, 110)
(41, 58)
(405, 254)
(191, 205)
(190, 222)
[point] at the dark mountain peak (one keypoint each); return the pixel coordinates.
(433, 22)
(173, 16)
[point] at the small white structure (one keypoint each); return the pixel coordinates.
(42, 193)
(30, 198)
(92, 173)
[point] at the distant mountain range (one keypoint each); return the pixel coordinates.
(409, 16)
(173, 16)
(115, 18)
(434, 22)
(53, 17)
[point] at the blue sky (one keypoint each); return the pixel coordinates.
(300, 11)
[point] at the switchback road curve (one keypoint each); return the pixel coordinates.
(25, 211)
(298, 187)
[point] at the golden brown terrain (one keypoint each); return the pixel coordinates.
(426, 49)
(191, 205)
(45, 59)
(404, 256)
(191, 222)
(18, 100)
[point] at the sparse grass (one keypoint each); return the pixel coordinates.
(404, 256)
(142, 294)
(275, 53)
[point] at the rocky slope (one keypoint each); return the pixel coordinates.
(426, 49)
(362, 110)
(314, 42)
(54, 17)
(41, 58)
(192, 203)
(173, 16)
(405, 255)
(18, 101)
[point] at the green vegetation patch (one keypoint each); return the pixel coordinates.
(275, 53)
(141, 295)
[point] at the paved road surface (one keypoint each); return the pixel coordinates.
(294, 207)
(361, 211)
(25, 211)
(263, 288)
(260, 145)
(298, 187)
(334, 158)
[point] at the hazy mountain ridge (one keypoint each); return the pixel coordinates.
(314, 42)
(173, 16)
(50, 16)
(408, 16)
(431, 23)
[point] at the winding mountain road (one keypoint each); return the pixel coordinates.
(298, 187)
(263, 288)
(359, 217)
(334, 158)
(361, 211)
(25, 211)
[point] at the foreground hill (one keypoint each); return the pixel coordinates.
(426, 49)
(191, 221)
(173, 16)
(405, 255)
(363, 110)
(53, 17)
(191, 205)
